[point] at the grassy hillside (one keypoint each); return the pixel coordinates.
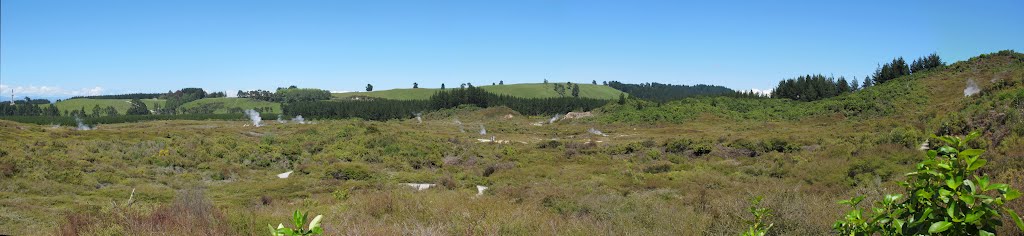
(518, 90)
(223, 104)
(121, 105)
(396, 94)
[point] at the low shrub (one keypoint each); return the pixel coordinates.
(349, 171)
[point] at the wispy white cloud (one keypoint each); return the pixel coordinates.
(48, 91)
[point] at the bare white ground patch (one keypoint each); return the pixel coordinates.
(480, 190)
(419, 187)
(284, 175)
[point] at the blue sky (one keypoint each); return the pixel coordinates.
(62, 48)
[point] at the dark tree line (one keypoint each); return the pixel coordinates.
(287, 95)
(746, 94)
(666, 92)
(29, 100)
(217, 95)
(27, 109)
(527, 106)
(811, 87)
(384, 109)
(898, 67)
(926, 63)
(815, 87)
(373, 109)
(546, 106)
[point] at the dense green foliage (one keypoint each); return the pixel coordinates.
(926, 63)
(370, 109)
(811, 88)
(138, 108)
(898, 67)
(27, 109)
(944, 195)
(287, 95)
(667, 92)
(29, 100)
(528, 106)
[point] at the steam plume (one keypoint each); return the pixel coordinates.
(483, 131)
(596, 132)
(82, 126)
(254, 117)
(972, 88)
(299, 119)
(553, 119)
(459, 123)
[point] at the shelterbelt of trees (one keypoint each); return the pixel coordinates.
(816, 87)
(659, 92)
(385, 109)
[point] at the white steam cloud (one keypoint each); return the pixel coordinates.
(483, 131)
(459, 123)
(596, 132)
(299, 119)
(82, 126)
(553, 119)
(254, 117)
(972, 88)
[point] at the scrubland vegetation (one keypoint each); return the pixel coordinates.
(545, 90)
(684, 167)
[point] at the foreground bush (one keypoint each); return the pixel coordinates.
(945, 196)
(299, 219)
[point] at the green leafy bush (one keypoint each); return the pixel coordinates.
(758, 227)
(299, 219)
(945, 195)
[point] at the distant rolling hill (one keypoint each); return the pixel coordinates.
(518, 90)
(121, 105)
(223, 104)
